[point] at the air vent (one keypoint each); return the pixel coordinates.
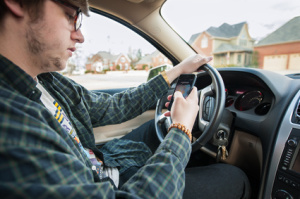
(297, 114)
(298, 110)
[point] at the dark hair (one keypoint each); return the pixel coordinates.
(34, 8)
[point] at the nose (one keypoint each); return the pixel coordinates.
(78, 36)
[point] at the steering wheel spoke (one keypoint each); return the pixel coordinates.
(164, 120)
(203, 93)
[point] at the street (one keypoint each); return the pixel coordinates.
(113, 79)
(120, 79)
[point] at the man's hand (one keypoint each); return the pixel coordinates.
(189, 65)
(184, 111)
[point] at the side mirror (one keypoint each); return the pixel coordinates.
(155, 71)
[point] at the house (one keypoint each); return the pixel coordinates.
(107, 61)
(152, 60)
(280, 50)
(228, 44)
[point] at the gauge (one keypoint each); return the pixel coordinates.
(263, 108)
(229, 101)
(248, 100)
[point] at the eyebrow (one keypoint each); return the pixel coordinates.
(68, 5)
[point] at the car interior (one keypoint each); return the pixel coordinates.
(248, 117)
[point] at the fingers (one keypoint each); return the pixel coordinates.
(169, 98)
(193, 94)
(167, 114)
(200, 60)
(177, 94)
(192, 63)
(184, 111)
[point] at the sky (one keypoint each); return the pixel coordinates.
(188, 17)
(262, 16)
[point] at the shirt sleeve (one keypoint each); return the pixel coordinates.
(38, 159)
(107, 109)
(163, 175)
(37, 162)
(100, 108)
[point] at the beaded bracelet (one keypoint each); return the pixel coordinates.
(182, 128)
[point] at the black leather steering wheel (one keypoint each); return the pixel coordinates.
(216, 90)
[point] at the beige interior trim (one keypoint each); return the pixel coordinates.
(135, 1)
(106, 133)
(164, 35)
(245, 148)
(245, 151)
(146, 17)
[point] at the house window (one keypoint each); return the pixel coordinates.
(243, 42)
(204, 42)
(239, 58)
(243, 39)
(123, 59)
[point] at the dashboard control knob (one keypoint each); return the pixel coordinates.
(292, 142)
(282, 194)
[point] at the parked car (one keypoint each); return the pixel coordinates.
(258, 110)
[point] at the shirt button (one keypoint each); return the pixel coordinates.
(33, 92)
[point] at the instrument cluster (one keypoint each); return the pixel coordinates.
(249, 99)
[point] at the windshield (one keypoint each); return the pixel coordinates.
(245, 33)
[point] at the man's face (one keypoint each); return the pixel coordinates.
(51, 39)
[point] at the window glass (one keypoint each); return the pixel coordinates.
(248, 33)
(112, 56)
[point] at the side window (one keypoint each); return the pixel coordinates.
(112, 56)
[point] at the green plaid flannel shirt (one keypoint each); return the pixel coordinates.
(38, 159)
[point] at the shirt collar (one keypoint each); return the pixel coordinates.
(17, 78)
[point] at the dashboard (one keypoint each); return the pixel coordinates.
(244, 92)
(264, 104)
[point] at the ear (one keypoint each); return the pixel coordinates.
(15, 7)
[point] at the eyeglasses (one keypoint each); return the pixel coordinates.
(77, 17)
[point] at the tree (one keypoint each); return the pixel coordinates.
(134, 56)
(76, 62)
(255, 57)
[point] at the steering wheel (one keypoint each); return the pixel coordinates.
(216, 90)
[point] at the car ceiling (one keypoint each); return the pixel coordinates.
(132, 11)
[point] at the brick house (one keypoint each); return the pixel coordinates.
(228, 44)
(152, 60)
(280, 50)
(107, 61)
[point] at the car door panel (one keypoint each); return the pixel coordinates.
(106, 133)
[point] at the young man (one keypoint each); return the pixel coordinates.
(47, 148)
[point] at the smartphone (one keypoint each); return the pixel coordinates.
(185, 85)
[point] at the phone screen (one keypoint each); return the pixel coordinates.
(184, 85)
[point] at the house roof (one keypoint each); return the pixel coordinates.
(287, 33)
(147, 59)
(231, 48)
(108, 55)
(194, 37)
(224, 31)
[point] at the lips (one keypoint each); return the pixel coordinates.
(71, 50)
